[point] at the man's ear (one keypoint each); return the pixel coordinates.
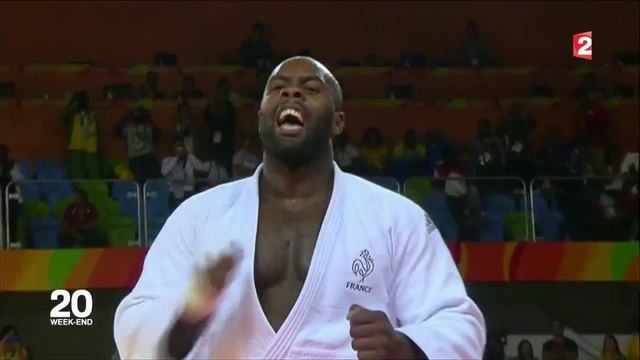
(338, 123)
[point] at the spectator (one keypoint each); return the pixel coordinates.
(11, 345)
(408, 157)
(494, 349)
(488, 151)
(141, 134)
(179, 172)
(518, 140)
(256, 51)
(475, 50)
(189, 90)
(218, 173)
(610, 349)
(452, 167)
(555, 156)
(345, 154)
(9, 171)
(220, 116)
(245, 160)
(79, 224)
(183, 127)
(83, 138)
(590, 83)
(525, 351)
(374, 153)
(595, 125)
(435, 144)
(149, 88)
(559, 347)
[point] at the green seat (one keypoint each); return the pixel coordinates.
(120, 232)
(97, 191)
(417, 189)
(517, 225)
(35, 208)
(61, 206)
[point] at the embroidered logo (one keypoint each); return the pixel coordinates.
(430, 225)
(361, 267)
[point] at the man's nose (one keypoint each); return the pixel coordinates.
(291, 92)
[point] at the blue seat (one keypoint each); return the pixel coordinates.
(30, 191)
(123, 189)
(25, 169)
(497, 206)
(48, 189)
(44, 232)
(48, 169)
(386, 182)
(157, 196)
(547, 220)
(438, 209)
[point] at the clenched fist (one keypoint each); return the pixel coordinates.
(373, 336)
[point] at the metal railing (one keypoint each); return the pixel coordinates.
(49, 192)
(501, 200)
(567, 204)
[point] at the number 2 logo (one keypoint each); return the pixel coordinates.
(582, 45)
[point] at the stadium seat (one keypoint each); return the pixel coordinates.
(30, 191)
(47, 189)
(44, 232)
(35, 208)
(516, 222)
(438, 209)
(96, 190)
(386, 182)
(58, 203)
(547, 220)
(124, 189)
(121, 231)
(497, 208)
(25, 169)
(48, 169)
(417, 189)
(157, 197)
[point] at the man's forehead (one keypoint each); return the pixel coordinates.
(301, 67)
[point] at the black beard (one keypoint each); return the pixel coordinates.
(314, 145)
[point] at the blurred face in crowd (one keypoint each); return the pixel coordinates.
(300, 112)
(610, 345)
(181, 152)
(525, 349)
(558, 329)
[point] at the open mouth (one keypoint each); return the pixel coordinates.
(290, 122)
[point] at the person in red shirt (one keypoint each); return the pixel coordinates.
(79, 225)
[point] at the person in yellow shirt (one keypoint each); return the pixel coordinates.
(409, 157)
(374, 152)
(83, 138)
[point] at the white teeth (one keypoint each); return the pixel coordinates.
(291, 112)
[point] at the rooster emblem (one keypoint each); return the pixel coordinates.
(363, 266)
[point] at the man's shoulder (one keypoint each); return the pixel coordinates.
(219, 197)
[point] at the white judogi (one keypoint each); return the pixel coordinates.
(375, 248)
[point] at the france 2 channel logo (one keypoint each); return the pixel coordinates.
(61, 317)
(582, 45)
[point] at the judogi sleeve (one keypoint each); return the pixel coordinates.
(430, 299)
(145, 315)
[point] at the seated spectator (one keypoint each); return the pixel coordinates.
(435, 144)
(256, 51)
(189, 90)
(525, 351)
(245, 161)
(452, 167)
(494, 348)
(149, 89)
(218, 173)
(475, 50)
(182, 128)
(610, 349)
(555, 156)
(559, 347)
(488, 151)
(345, 154)
(374, 153)
(179, 172)
(408, 157)
(83, 137)
(141, 134)
(220, 116)
(80, 224)
(9, 171)
(11, 345)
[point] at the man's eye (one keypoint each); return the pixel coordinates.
(312, 90)
(277, 87)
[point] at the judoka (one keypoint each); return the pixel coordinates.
(301, 260)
